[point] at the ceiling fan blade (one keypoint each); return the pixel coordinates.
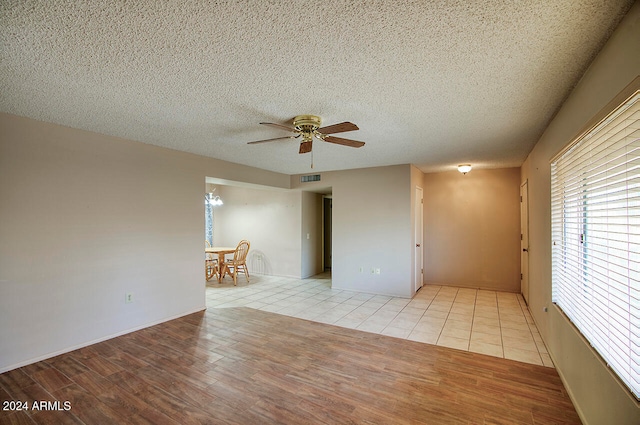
(344, 142)
(305, 146)
(338, 128)
(272, 140)
(280, 126)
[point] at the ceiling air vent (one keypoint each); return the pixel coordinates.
(310, 178)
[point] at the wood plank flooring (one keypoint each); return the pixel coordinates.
(245, 366)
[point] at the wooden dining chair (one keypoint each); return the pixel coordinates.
(210, 263)
(208, 245)
(210, 268)
(239, 262)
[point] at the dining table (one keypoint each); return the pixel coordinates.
(220, 251)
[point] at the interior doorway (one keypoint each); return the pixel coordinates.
(326, 232)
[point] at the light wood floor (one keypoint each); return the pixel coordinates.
(246, 366)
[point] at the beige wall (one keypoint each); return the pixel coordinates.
(269, 219)
(372, 228)
(277, 223)
(597, 395)
(472, 229)
(86, 218)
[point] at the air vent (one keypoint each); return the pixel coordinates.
(310, 178)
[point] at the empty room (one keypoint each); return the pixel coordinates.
(413, 212)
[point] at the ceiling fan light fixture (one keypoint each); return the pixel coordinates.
(464, 168)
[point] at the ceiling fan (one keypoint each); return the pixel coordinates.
(308, 127)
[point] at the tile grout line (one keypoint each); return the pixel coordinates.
(529, 327)
(447, 318)
(473, 315)
(500, 325)
(421, 316)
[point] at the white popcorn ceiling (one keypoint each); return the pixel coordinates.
(432, 83)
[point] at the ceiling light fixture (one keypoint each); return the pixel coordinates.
(464, 168)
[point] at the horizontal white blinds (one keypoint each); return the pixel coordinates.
(595, 213)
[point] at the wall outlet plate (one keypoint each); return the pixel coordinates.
(128, 297)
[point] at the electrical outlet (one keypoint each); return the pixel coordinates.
(377, 271)
(128, 297)
(360, 269)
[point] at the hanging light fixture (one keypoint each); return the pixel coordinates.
(464, 168)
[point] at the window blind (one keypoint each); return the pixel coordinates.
(595, 218)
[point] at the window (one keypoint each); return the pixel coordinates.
(595, 214)
(210, 201)
(208, 221)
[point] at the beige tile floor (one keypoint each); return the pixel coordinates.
(494, 323)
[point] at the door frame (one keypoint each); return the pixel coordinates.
(327, 235)
(418, 253)
(524, 241)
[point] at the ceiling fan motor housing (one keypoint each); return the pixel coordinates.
(307, 123)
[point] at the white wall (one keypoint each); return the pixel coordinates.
(597, 395)
(372, 228)
(270, 219)
(86, 218)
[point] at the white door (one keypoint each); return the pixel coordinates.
(418, 259)
(524, 244)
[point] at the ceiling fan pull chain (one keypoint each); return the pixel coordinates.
(311, 159)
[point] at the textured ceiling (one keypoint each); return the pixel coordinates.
(432, 83)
